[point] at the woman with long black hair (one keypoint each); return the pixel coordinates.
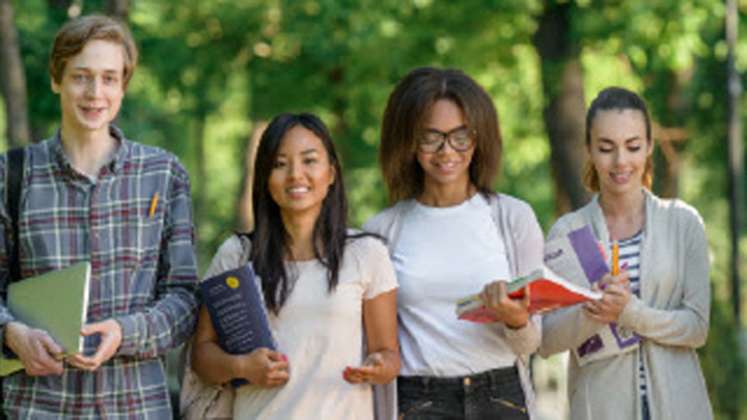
(325, 288)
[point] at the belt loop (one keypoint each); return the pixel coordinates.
(494, 377)
(487, 377)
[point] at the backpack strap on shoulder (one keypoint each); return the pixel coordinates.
(14, 180)
(246, 246)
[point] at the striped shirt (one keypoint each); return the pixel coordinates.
(143, 274)
(630, 255)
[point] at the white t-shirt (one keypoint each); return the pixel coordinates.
(321, 333)
(442, 255)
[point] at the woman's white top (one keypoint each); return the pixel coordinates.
(442, 255)
(321, 333)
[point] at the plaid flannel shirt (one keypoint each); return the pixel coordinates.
(143, 274)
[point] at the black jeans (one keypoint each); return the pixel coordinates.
(495, 394)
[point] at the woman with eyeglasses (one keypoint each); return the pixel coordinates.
(449, 236)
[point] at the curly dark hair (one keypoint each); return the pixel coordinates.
(405, 113)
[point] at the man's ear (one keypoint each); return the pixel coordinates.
(55, 86)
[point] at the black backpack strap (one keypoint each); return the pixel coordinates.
(13, 181)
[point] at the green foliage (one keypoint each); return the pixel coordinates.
(37, 24)
(724, 354)
(210, 70)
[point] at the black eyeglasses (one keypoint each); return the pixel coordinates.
(460, 139)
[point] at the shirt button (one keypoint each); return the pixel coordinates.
(467, 381)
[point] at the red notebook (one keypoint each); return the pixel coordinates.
(547, 291)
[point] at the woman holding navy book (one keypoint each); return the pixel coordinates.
(633, 351)
(450, 236)
(326, 288)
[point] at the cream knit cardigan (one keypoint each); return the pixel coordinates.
(671, 315)
(518, 227)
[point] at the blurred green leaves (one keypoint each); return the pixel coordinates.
(211, 69)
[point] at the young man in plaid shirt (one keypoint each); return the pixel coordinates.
(88, 193)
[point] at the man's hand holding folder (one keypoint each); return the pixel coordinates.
(50, 310)
(42, 356)
(111, 338)
(38, 352)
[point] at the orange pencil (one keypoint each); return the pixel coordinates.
(615, 258)
(153, 205)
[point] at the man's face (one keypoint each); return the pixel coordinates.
(91, 88)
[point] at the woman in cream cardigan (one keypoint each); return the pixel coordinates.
(658, 307)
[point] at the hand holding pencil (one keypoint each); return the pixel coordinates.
(616, 289)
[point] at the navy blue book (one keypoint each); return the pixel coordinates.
(238, 313)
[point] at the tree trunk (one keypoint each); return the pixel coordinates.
(13, 79)
(667, 160)
(338, 105)
(59, 4)
(118, 8)
(245, 215)
(564, 111)
(668, 131)
(200, 179)
(736, 156)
